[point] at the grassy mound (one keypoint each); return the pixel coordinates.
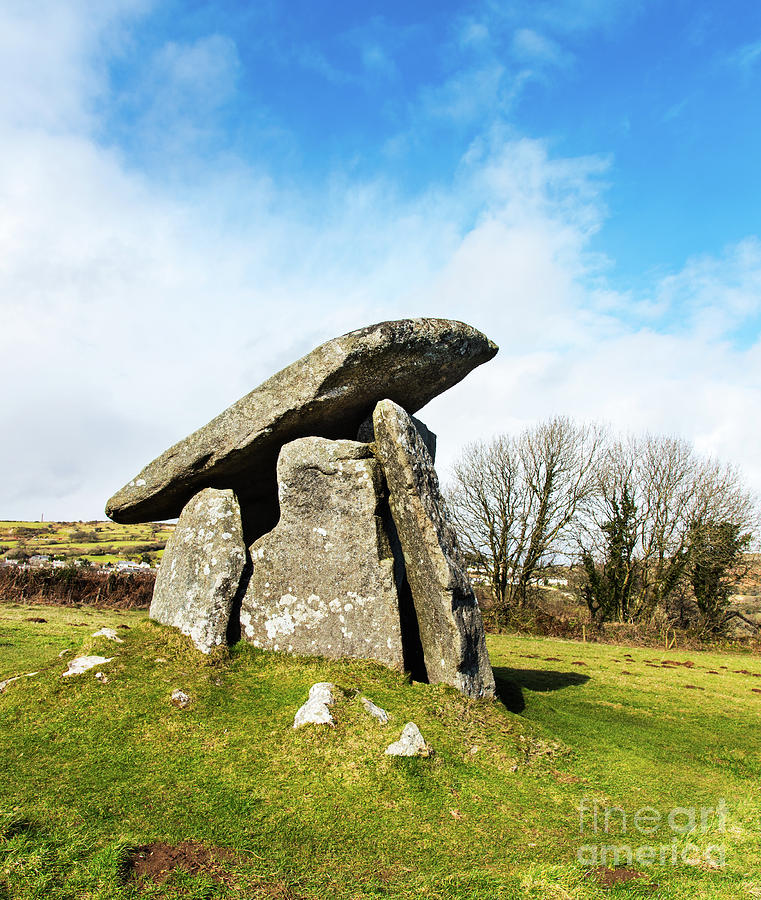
(108, 790)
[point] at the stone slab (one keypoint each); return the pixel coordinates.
(327, 393)
(449, 619)
(323, 579)
(201, 569)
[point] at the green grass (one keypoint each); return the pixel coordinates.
(88, 770)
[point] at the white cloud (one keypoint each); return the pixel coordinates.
(134, 311)
(533, 47)
(747, 56)
(468, 95)
(52, 56)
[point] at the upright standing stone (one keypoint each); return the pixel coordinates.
(366, 434)
(201, 570)
(323, 579)
(449, 620)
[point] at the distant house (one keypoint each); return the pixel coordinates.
(127, 565)
(38, 560)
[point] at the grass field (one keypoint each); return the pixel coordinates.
(90, 771)
(98, 542)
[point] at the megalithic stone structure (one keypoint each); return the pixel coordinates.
(351, 554)
(327, 393)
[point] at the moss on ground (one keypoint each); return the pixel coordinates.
(91, 770)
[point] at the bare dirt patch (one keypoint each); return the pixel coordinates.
(155, 861)
(610, 878)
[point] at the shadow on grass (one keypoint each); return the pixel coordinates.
(511, 683)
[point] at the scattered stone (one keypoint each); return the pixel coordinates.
(83, 663)
(327, 393)
(375, 711)
(448, 616)
(4, 684)
(108, 633)
(323, 579)
(37, 619)
(201, 570)
(411, 743)
(322, 691)
(315, 711)
(102, 678)
(180, 699)
(64, 652)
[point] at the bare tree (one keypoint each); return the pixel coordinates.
(663, 504)
(516, 498)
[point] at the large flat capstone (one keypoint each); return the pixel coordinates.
(323, 579)
(448, 617)
(327, 393)
(201, 569)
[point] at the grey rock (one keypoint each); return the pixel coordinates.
(180, 699)
(315, 711)
(84, 663)
(108, 633)
(201, 570)
(327, 393)
(366, 433)
(322, 692)
(411, 743)
(323, 579)
(375, 711)
(449, 620)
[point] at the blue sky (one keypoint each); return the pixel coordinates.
(667, 92)
(193, 194)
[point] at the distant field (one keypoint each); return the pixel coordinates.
(98, 542)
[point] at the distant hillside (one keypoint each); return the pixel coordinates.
(101, 543)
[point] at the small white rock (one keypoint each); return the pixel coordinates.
(375, 711)
(103, 679)
(4, 684)
(83, 663)
(411, 743)
(109, 633)
(180, 699)
(315, 711)
(323, 692)
(64, 652)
